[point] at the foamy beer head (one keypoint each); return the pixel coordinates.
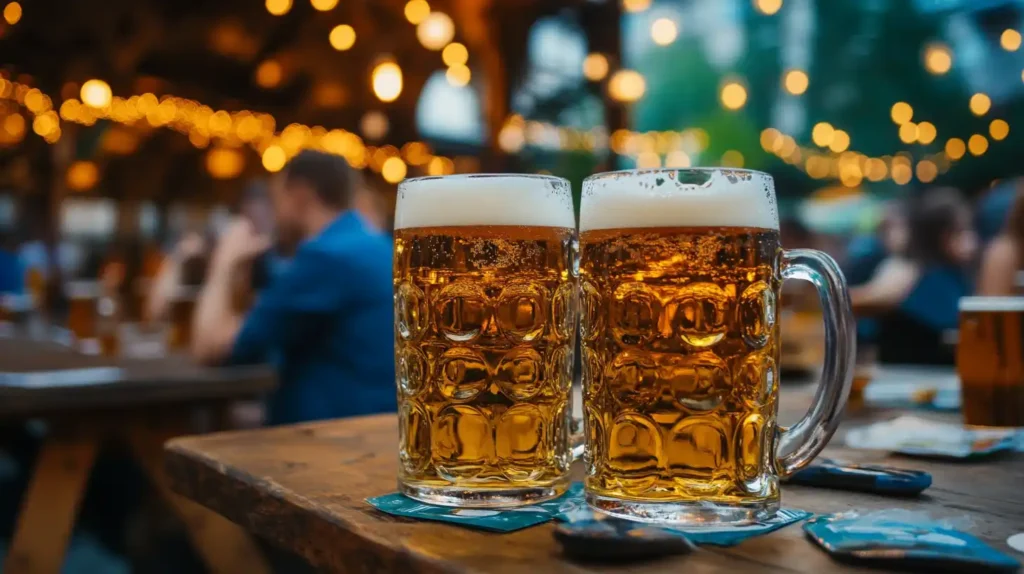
(679, 198)
(484, 199)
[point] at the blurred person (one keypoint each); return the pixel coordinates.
(326, 320)
(1002, 260)
(865, 253)
(915, 296)
(12, 271)
(185, 265)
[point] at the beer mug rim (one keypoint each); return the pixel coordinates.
(621, 173)
(458, 176)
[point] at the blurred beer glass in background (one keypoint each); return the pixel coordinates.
(485, 275)
(680, 278)
(183, 305)
(990, 361)
(83, 297)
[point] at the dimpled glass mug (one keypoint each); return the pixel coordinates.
(680, 277)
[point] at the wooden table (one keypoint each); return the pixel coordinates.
(304, 486)
(86, 400)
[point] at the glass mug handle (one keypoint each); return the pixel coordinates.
(799, 444)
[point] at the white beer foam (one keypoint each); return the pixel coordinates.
(992, 304)
(656, 198)
(484, 199)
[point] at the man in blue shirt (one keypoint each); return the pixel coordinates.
(326, 320)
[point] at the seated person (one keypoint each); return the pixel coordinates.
(1003, 260)
(326, 320)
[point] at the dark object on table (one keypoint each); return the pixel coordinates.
(616, 539)
(826, 473)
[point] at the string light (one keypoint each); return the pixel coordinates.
(732, 158)
(1010, 40)
(926, 133)
(224, 163)
(821, 134)
(901, 173)
(374, 125)
(796, 82)
(14, 126)
(648, 160)
(511, 138)
(999, 129)
(595, 67)
(955, 148)
(927, 171)
(840, 141)
(980, 104)
(274, 158)
(342, 37)
(733, 95)
(278, 7)
(635, 5)
(458, 76)
(12, 13)
(664, 31)
(901, 113)
(82, 175)
(908, 133)
(875, 170)
(627, 85)
(768, 7)
(393, 170)
(938, 59)
(268, 74)
(677, 158)
(977, 144)
(96, 93)
(435, 31)
(323, 5)
(416, 11)
(387, 81)
(455, 54)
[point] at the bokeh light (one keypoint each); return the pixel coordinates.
(269, 74)
(416, 11)
(901, 113)
(733, 95)
(840, 141)
(342, 37)
(96, 93)
(12, 13)
(821, 134)
(458, 76)
(908, 133)
(648, 160)
(901, 173)
(977, 144)
(278, 7)
(955, 148)
(796, 82)
(1010, 40)
(768, 7)
(627, 86)
(980, 104)
(926, 133)
(374, 125)
(387, 81)
(677, 158)
(435, 31)
(595, 67)
(393, 170)
(635, 5)
(938, 59)
(224, 162)
(732, 158)
(455, 54)
(664, 31)
(274, 158)
(999, 129)
(927, 171)
(82, 175)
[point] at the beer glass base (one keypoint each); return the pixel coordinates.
(696, 513)
(467, 497)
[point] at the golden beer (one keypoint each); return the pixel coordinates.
(680, 273)
(680, 362)
(990, 361)
(82, 312)
(485, 331)
(182, 308)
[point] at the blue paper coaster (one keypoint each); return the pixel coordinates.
(706, 535)
(493, 520)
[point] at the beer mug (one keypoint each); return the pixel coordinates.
(485, 278)
(990, 361)
(183, 304)
(83, 318)
(680, 277)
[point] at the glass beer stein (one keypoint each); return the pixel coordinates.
(485, 277)
(680, 278)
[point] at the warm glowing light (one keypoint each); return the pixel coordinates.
(374, 125)
(732, 158)
(840, 141)
(279, 7)
(595, 67)
(14, 125)
(938, 59)
(455, 54)
(440, 166)
(323, 5)
(926, 133)
(511, 138)
(435, 31)
(901, 113)
(12, 13)
(768, 7)
(901, 173)
(647, 160)
(45, 124)
(664, 31)
(977, 144)
(822, 133)
(955, 148)
(627, 86)
(999, 129)
(926, 171)
(980, 104)
(269, 73)
(677, 158)
(770, 137)
(635, 5)
(796, 82)
(850, 174)
(1009, 40)
(224, 162)
(817, 167)
(274, 158)
(458, 76)
(733, 95)
(387, 81)
(96, 94)
(342, 37)
(393, 170)
(37, 101)
(416, 11)
(875, 170)
(908, 132)
(82, 175)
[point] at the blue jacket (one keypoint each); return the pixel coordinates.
(326, 323)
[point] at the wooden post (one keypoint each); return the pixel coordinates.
(603, 25)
